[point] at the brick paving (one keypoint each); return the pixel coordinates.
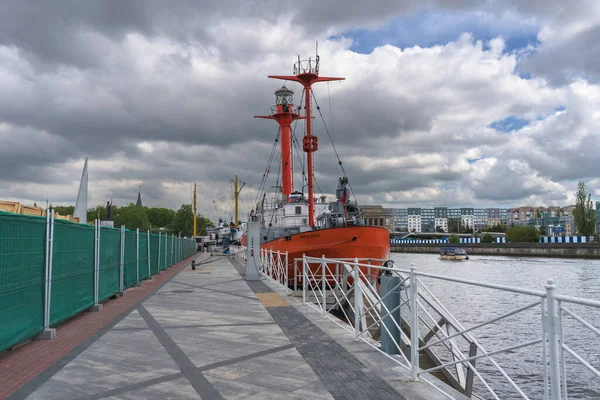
(21, 365)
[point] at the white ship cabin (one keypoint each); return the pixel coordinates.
(292, 214)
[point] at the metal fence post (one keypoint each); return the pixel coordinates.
(166, 235)
(96, 306)
(553, 341)
(149, 259)
(414, 325)
(323, 285)
(122, 263)
(137, 257)
(48, 333)
(356, 301)
(158, 257)
(172, 248)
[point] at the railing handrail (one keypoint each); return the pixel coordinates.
(513, 289)
(577, 300)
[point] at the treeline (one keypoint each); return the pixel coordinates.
(154, 219)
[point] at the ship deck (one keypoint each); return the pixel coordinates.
(208, 333)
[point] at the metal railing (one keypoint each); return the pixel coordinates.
(347, 290)
(274, 265)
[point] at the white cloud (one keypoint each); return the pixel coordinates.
(412, 125)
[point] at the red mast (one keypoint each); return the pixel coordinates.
(306, 72)
(283, 112)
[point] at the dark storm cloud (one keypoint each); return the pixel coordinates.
(97, 78)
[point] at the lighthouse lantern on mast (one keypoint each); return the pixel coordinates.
(284, 97)
(284, 113)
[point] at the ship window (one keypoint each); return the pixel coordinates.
(298, 210)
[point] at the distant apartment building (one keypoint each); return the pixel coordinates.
(414, 220)
(443, 219)
(400, 216)
(480, 219)
(427, 220)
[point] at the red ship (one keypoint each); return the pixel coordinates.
(302, 225)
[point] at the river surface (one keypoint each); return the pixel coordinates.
(473, 305)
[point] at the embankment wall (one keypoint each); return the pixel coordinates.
(566, 250)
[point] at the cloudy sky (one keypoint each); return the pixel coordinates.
(455, 103)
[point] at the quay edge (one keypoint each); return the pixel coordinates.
(564, 250)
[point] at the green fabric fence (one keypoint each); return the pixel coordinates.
(110, 262)
(72, 270)
(23, 256)
(144, 256)
(130, 259)
(154, 253)
(22, 277)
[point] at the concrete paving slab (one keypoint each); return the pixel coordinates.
(207, 335)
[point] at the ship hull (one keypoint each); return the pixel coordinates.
(368, 243)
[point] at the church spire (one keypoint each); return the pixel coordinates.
(139, 199)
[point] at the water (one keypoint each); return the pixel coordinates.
(472, 305)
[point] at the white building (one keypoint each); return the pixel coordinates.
(466, 221)
(414, 223)
(442, 223)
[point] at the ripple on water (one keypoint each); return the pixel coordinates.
(473, 305)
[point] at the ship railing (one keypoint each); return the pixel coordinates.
(298, 265)
(239, 253)
(274, 265)
(420, 324)
(306, 66)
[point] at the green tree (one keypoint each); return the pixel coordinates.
(453, 225)
(183, 224)
(523, 234)
(203, 223)
(487, 238)
(132, 217)
(498, 228)
(160, 216)
(65, 210)
(454, 239)
(584, 213)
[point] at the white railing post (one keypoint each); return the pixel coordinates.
(562, 350)
(304, 276)
(137, 256)
(295, 275)
(553, 341)
(286, 272)
(414, 326)
(122, 263)
(323, 286)
(357, 300)
(149, 259)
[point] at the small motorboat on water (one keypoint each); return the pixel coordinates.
(453, 253)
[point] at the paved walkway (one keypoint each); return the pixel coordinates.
(210, 334)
